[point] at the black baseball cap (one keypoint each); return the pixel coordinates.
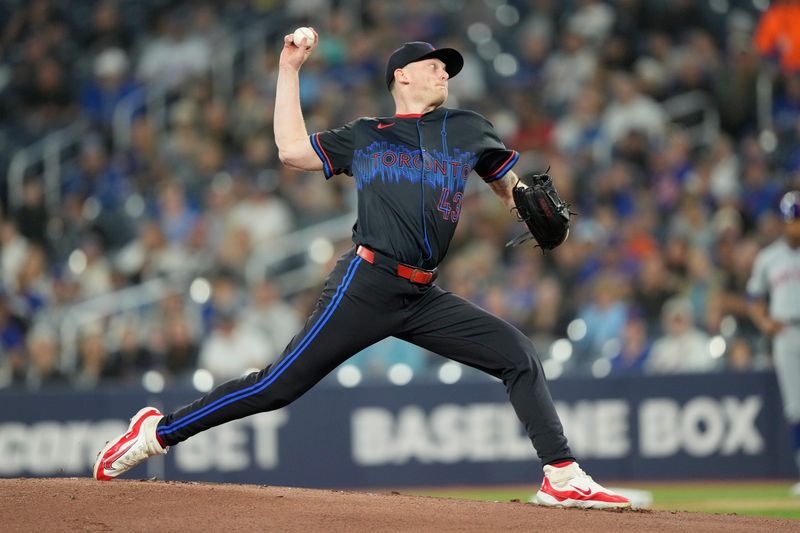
(417, 51)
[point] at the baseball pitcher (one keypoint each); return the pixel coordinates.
(410, 171)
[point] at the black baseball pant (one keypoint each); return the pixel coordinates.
(361, 304)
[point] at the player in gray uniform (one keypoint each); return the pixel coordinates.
(774, 289)
(410, 170)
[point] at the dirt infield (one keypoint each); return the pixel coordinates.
(86, 505)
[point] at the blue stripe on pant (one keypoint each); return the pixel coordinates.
(319, 347)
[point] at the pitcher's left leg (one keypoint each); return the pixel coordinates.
(453, 327)
(457, 329)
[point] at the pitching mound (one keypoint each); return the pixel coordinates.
(87, 505)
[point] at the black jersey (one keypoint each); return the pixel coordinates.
(410, 172)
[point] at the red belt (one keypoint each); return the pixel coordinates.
(413, 274)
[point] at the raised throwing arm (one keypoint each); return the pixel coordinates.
(291, 137)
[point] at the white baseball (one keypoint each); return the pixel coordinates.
(303, 33)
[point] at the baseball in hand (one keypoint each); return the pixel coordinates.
(303, 33)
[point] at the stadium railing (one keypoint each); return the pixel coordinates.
(49, 152)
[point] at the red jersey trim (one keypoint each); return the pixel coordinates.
(503, 169)
(322, 154)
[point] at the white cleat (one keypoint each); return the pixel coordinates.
(569, 486)
(795, 489)
(132, 448)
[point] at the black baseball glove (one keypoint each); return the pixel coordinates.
(542, 210)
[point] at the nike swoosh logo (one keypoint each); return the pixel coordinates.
(381, 126)
(582, 491)
(109, 463)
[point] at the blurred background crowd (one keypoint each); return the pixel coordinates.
(149, 235)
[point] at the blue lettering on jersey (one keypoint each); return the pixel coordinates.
(392, 163)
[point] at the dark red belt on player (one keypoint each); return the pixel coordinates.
(413, 274)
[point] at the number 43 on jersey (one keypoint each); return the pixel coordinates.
(450, 208)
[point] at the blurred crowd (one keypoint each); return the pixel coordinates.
(649, 114)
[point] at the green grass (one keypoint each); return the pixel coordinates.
(760, 499)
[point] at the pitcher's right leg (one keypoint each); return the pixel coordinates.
(333, 333)
(349, 316)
